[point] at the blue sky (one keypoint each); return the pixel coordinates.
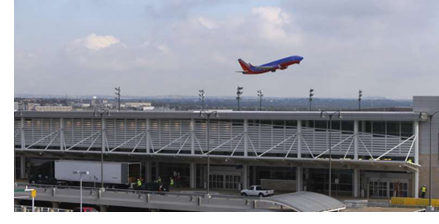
(384, 47)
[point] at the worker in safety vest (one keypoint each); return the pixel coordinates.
(171, 183)
(159, 180)
(139, 182)
(423, 191)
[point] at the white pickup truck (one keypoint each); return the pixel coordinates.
(256, 190)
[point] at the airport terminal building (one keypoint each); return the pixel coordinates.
(373, 154)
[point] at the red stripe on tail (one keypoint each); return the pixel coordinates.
(244, 65)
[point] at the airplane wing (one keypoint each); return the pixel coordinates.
(267, 67)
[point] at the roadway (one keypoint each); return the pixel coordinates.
(175, 201)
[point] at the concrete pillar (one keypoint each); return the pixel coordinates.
(103, 208)
(244, 177)
(299, 139)
(193, 176)
(356, 183)
(22, 167)
(299, 179)
(416, 158)
(356, 140)
(148, 173)
(416, 184)
(245, 137)
(55, 204)
(192, 126)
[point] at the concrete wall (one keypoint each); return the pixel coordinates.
(424, 173)
(429, 104)
(279, 185)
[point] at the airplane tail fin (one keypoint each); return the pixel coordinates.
(245, 66)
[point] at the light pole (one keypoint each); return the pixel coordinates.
(202, 98)
(330, 115)
(430, 118)
(101, 115)
(208, 114)
(80, 185)
(117, 97)
(260, 95)
(311, 94)
(360, 94)
(239, 92)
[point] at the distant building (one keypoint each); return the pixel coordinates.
(53, 108)
(138, 106)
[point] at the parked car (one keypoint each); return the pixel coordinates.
(256, 190)
(85, 209)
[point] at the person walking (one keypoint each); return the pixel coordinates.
(139, 182)
(423, 191)
(171, 183)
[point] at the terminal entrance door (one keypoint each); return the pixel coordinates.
(378, 189)
(225, 181)
(386, 188)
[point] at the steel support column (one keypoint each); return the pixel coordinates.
(355, 184)
(192, 126)
(245, 137)
(148, 136)
(148, 174)
(22, 136)
(192, 174)
(299, 179)
(299, 139)
(61, 134)
(102, 150)
(416, 159)
(244, 178)
(356, 137)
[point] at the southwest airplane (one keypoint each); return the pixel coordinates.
(249, 69)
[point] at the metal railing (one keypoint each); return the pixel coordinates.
(162, 136)
(24, 208)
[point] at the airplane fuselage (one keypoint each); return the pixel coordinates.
(281, 64)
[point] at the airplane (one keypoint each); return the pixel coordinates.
(249, 69)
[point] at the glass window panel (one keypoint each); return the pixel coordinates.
(321, 124)
(336, 125)
(379, 127)
(348, 125)
(393, 128)
(291, 123)
(406, 129)
(368, 127)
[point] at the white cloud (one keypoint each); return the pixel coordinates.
(273, 15)
(209, 24)
(95, 42)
